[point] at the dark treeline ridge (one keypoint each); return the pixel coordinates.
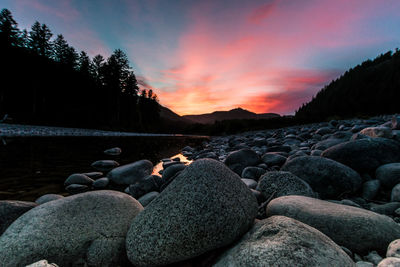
(46, 81)
(371, 88)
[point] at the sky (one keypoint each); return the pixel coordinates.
(207, 55)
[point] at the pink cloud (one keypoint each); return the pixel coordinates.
(63, 9)
(262, 12)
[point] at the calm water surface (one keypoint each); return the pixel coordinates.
(33, 166)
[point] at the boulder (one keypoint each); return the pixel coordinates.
(42, 263)
(147, 198)
(89, 226)
(395, 195)
(252, 173)
(374, 231)
(273, 159)
(148, 184)
(196, 213)
(101, 183)
(131, 173)
(396, 122)
(390, 262)
(327, 177)
(370, 189)
(48, 197)
(388, 174)
(10, 210)
(393, 249)
(375, 132)
(240, 159)
(282, 241)
(105, 165)
(365, 155)
(250, 183)
(283, 184)
(169, 172)
(78, 178)
(77, 188)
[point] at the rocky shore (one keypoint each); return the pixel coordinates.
(324, 194)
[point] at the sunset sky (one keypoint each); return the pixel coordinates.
(202, 56)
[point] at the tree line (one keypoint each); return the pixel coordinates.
(44, 80)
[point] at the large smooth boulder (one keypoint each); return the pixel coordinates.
(283, 184)
(327, 177)
(365, 155)
(205, 207)
(240, 159)
(357, 229)
(282, 241)
(10, 210)
(388, 174)
(131, 173)
(90, 225)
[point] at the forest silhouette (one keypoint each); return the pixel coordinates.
(46, 81)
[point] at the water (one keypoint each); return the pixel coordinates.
(33, 166)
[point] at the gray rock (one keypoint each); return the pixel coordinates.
(10, 210)
(393, 249)
(375, 132)
(42, 263)
(365, 155)
(169, 172)
(364, 264)
(143, 187)
(322, 145)
(131, 173)
(253, 173)
(283, 184)
(390, 262)
(93, 175)
(101, 183)
(77, 188)
(324, 130)
(370, 189)
(48, 197)
(171, 163)
(396, 122)
(395, 195)
(115, 151)
(273, 159)
(105, 165)
(240, 159)
(147, 198)
(250, 183)
(388, 174)
(87, 225)
(373, 257)
(78, 178)
(385, 209)
(282, 241)
(374, 231)
(196, 213)
(327, 177)
(279, 148)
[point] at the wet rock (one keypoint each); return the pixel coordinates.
(147, 198)
(207, 214)
(93, 175)
(374, 231)
(169, 172)
(282, 241)
(10, 210)
(327, 177)
(101, 183)
(131, 173)
(78, 178)
(91, 225)
(105, 165)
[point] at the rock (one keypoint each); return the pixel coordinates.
(253, 173)
(365, 155)
(10, 210)
(322, 145)
(143, 187)
(101, 183)
(115, 151)
(168, 164)
(283, 184)
(390, 262)
(375, 132)
(105, 165)
(327, 177)
(240, 159)
(93, 175)
(196, 213)
(282, 241)
(370, 189)
(77, 188)
(373, 257)
(395, 195)
(364, 264)
(374, 231)
(91, 225)
(388, 174)
(78, 178)
(131, 173)
(273, 159)
(250, 183)
(385, 209)
(396, 122)
(394, 249)
(169, 172)
(279, 148)
(147, 198)
(324, 130)
(42, 263)
(48, 197)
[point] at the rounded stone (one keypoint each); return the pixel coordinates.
(240, 159)
(393, 249)
(10, 210)
(48, 197)
(388, 174)
(273, 159)
(390, 262)
(250, 183)
(196, 213)
(147, 198)
(283, 184)
(105, 165)
(395, 195)
(170, 171)
(101, 183)
(327, 177)
(131, 173)
(115, 151)
(375, 132)
(78, 178)
(365, 155)
(282, 241)
(370, 189)
(252, 173)
(374, 231)
(63, 231)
